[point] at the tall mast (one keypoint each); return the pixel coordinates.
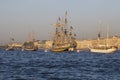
(107, 33)
(33, 36)
(99, 31)
(11, 38)
(29, 36)
(66, 21)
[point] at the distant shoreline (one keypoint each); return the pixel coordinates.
(3, 46)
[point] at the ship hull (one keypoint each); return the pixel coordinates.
(29, 46)
(67, 47)
(10, 48)
(59, 50)
(25, 49)
(110, 50)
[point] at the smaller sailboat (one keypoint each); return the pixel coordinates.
(103, 50)
(106, 48)
(31, 44)
(10, 46)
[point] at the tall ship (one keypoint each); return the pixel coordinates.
(103, 48)
(64, 37)
(31, 44)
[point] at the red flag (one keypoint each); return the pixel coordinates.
(71, 27)
(99, 35)
(59, 19)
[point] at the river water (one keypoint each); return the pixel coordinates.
(40, 65)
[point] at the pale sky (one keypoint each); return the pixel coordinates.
(20, 17)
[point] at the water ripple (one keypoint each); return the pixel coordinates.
(38, 65)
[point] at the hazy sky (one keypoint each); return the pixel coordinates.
(23, 16)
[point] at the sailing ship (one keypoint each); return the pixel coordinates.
(100, 48)
(10, 46)
(64, 38)
(31, 44)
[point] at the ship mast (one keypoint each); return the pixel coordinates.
(107, 34)
(66, 21)
(11, 38)
(33, 36)
(62, 33)
(99, 32)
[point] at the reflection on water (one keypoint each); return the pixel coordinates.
(40, 65)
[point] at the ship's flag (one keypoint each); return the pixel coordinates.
(74, 34)
(12, 39)
(65, 17)
(59, 19)
(71, 27)
(99, 35)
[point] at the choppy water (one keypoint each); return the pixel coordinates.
(40, 65)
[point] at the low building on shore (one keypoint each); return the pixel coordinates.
(81, 44)
(85, 44)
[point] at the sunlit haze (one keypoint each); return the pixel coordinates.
(19, 17)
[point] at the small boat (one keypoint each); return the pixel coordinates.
(78, 50)
(46, 50)
(106, 48)
(31, 44)
(103, 50)
(9, 48)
